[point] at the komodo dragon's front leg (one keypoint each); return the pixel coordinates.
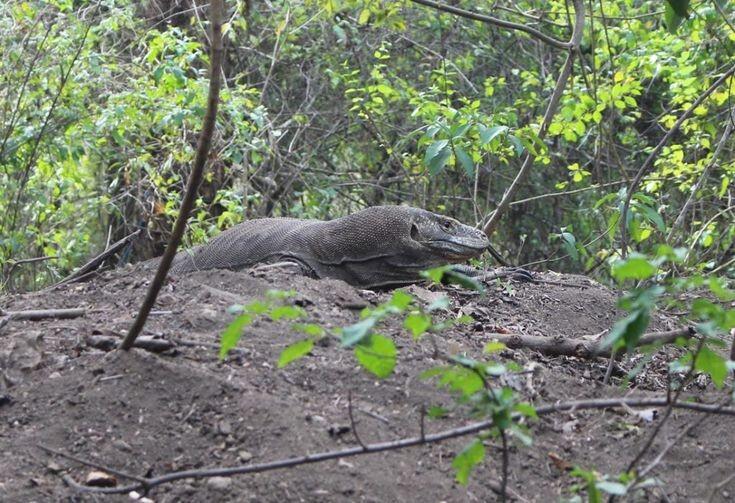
(516, 273)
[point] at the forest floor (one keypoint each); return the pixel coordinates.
(150, 414)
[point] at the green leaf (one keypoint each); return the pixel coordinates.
(526, 409)
(274, 294)
(489, 134)
(653, 216)
(436, 274)
(455, 277)
(364, 16)
(493, 347)
(628, 330)
(633, 268)
(465, 161)
(672, 19)
(434, 150)
(417, 323)
(435, 412)
(256, 307)
(401, 300)
(570, 244)
(288, 312)
(311, 329)
(461, 379)
(610, 487)
(439, 304)
(436, 163)
(355, 333)
(465, 461)
(718, 287)
(713, 364)
(680, 7)
(232, 333)
(295, 351)
(432, 372)
(517, 144)
(457, 132)
(377, 354)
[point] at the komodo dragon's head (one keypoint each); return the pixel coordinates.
(445, 238)
(406, 239)
(389, 245)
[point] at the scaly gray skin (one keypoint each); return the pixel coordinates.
(376, 247)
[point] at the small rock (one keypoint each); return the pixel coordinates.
(53, 467)
(122, 445)
(244, 456)
(136, 496)
(337, 430)
(224, 427)
(219, 483)
(100, 479)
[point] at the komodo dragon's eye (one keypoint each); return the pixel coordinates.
(447, 225)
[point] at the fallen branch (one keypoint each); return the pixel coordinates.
(561, 346)
(93, 264)
(603, 403)
(108, 343)
(39, 314)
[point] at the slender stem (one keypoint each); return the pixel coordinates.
(551, 109)
(216, 9)
(648, 163)
(494, 21)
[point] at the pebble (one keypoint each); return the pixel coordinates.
(224, 427)
(219, 483)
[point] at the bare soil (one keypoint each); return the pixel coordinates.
(150, 414)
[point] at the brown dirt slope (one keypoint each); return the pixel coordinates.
(150, 414)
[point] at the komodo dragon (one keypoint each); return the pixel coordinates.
(377, 247)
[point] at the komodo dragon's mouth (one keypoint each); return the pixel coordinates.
(459, 249)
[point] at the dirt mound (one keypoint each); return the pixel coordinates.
(148, 414)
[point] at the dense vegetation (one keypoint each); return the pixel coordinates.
(332, 105)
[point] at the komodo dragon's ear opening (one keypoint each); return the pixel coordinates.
(414, 232)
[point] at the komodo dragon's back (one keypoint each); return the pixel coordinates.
(256, 241)
(378, 246)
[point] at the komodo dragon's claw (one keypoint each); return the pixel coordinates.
(516, 273)
(520, 274)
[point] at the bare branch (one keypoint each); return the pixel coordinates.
(669, 409)
(705, 172)
(553, 105)
(495, 21)
(648, 163)
(93, 264)
(205, 139)
(353, 424)
(470, 429)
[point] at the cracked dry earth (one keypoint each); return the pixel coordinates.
(150, 414)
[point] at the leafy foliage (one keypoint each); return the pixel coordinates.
(272, 307)
(395, 105)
